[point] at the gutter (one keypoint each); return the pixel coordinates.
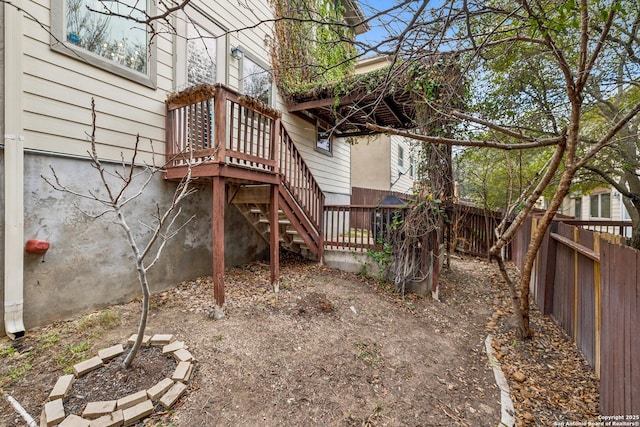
(13, 175)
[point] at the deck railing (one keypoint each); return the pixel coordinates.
(215, 124)
(373, 225)
(299, 180)
(619, 228)
(212, 123)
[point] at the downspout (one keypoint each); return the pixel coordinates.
(13, 175)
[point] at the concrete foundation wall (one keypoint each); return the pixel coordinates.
(89, 264)
(363, 263)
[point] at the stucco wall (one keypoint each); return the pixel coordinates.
(89, 264)
(371, 162)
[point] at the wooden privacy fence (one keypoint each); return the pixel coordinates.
(473, 230)
(590, 284)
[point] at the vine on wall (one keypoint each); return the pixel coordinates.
(311, 44)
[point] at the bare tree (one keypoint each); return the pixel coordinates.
(119, 188)
(529, 67)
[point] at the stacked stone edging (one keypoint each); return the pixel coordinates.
(129, 409)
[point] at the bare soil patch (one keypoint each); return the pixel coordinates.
(330, 349)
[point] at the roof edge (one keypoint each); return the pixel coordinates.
(355, 17)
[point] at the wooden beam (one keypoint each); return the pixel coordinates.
(218, 239)
(275, 239)
(252, 194)
(402, 118)
(325, 102)
(589, 253)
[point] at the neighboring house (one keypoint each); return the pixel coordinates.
(382, 162)
(601, 204)
(51, 69)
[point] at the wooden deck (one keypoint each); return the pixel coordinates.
(237, 141)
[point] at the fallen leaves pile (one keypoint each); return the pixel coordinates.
(550, 380)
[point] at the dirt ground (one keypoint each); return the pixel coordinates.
(330, 349)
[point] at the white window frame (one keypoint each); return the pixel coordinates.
(401, 167)
(260, 64)
(625, 212)
(208, 24)
(599, 199)
(59, 44)
(577, 203)
(323, 138)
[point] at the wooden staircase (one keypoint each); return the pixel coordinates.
(241, 145)
(295, 231)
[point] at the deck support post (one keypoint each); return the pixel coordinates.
(274, 236)
(218, 239)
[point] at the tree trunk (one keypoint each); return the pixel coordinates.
(532, 251)
(143, 318)
(635, 236)
(515, 298)
(144, 284)
(635, 225)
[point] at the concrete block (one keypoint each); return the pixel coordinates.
(114, 419)
(172, 396)
(183, 355)
(54, 412)
(109, 353)
(170, 348)
(182, 372)
(146, 339)
(87, 366)
(161, 339)
(74, 421)
(159, 389)
(132, 399)
(139, 411)
(62, 387)
(98, 409)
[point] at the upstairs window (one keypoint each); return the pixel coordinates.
(200, 50)
(256, 81)
(99, 33)
(577, 208)
(324, 143)
(201, 55)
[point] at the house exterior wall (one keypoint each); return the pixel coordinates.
(333, 172)
(88, 264)
(375, 163)
(401, 177)
(371, 162)
(617, 207)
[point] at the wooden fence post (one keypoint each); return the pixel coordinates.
(597, 302)
(576, 287)
(548, 269)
